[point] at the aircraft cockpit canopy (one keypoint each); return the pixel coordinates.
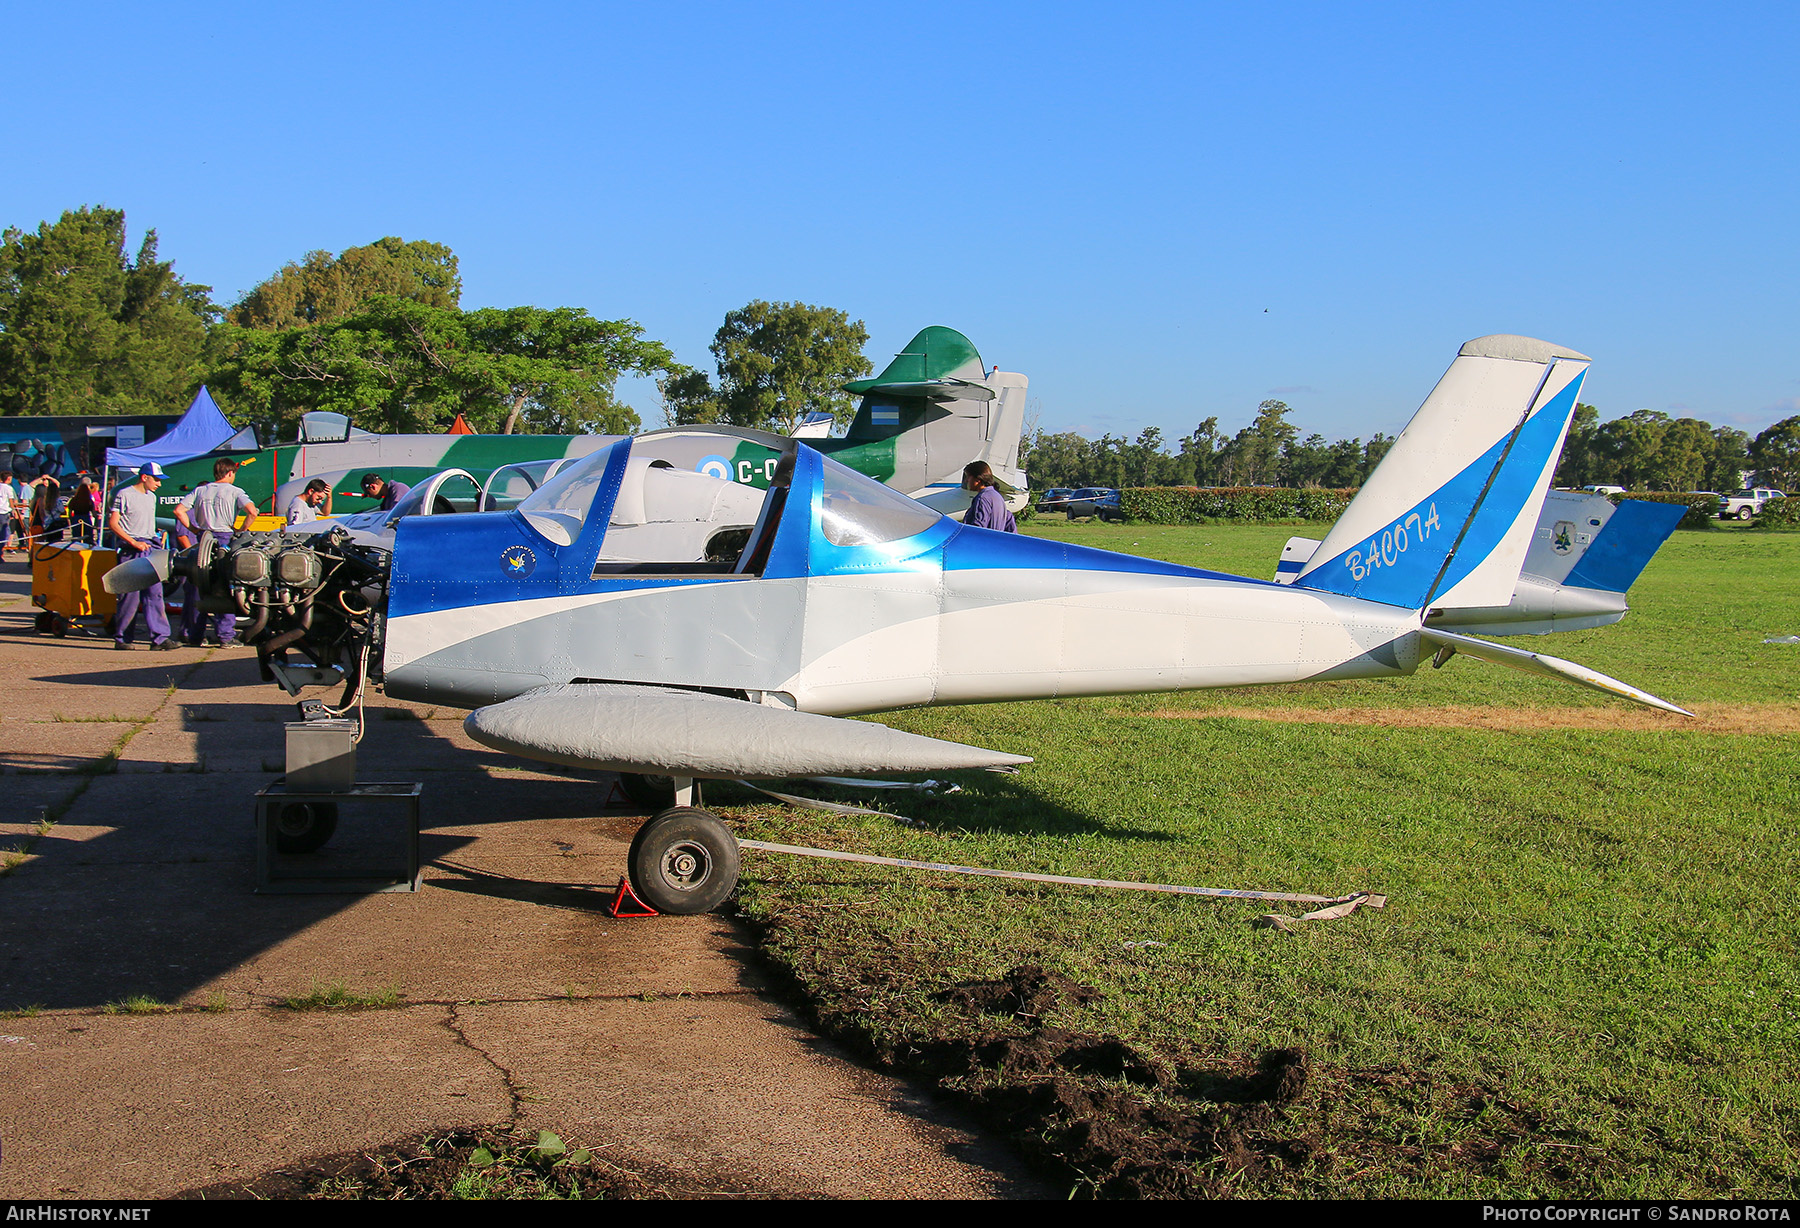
(666, 512)
(559, 507)
(454, 492)
(323, 426)
(856, 510)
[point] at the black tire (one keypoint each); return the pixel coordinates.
(1744, 513)
(684, 861)
(303, 827)
(650, 792)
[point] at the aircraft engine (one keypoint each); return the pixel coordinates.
(323, 596)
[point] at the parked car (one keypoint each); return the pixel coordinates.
(1746, 503)
(1101, 501)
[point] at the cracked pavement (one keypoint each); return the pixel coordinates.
(126, 786)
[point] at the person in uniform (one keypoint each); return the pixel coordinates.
(211, 510)
(133, 524)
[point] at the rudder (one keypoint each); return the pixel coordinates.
(1446, 518)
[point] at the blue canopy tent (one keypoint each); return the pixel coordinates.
(202, 429)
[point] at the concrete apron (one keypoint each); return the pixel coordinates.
(520, 1002)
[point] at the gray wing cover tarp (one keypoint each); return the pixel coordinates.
(690, 733)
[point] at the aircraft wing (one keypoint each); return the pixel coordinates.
(620, 727)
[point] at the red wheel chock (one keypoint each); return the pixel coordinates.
(625, 902)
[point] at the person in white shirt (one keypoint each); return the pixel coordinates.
(211, 509)
(303, 508)
(23, 495)
(9, 530)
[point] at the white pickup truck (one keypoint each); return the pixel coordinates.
(1746, 503)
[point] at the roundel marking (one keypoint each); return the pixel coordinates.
(518, 562)
(715, 467)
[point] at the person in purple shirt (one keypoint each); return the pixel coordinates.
(989, 510)
(377, 487)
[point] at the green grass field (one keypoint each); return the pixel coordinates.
(1585, 984)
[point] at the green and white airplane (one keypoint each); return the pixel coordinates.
(935, 408)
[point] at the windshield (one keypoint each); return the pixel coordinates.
(323, 426)
(409, 506)
(559, 507)
(859, 511)
(510, 485)
(455, 492)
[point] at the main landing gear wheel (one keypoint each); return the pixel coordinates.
(302, 827)
(650, 792)
(684, 861)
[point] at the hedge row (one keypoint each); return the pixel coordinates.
(1779, 514)
(1192, 505)
(1702, 513)
(1196, 505)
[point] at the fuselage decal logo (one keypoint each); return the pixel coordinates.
(518, 562)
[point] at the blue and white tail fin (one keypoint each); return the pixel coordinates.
(1446, 518)
(1585, 554)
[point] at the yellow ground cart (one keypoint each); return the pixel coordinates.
(65, 586)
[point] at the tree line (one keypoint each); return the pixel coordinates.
(1645, 450)
(1268, 452)
(377, 333)
(1648, 450)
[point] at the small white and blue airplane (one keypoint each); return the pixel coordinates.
(636, 616)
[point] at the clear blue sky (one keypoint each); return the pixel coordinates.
(1157, 212)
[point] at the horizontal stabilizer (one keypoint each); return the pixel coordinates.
(1544, 666)
(936, 356)
(1294, 556)
(623, 728)
(1619, 552)
(937, 390)
(1585, 554)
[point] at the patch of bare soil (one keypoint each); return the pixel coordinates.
(1115, 1121)
(486, 1162)
(1707, 718)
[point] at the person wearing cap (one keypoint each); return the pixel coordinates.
(303, 508)
(211, 509)
(377, 487)
(133, 525)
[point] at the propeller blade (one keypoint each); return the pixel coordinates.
(136, 575)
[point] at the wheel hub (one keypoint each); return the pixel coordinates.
(295, 820)
(685, 866)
